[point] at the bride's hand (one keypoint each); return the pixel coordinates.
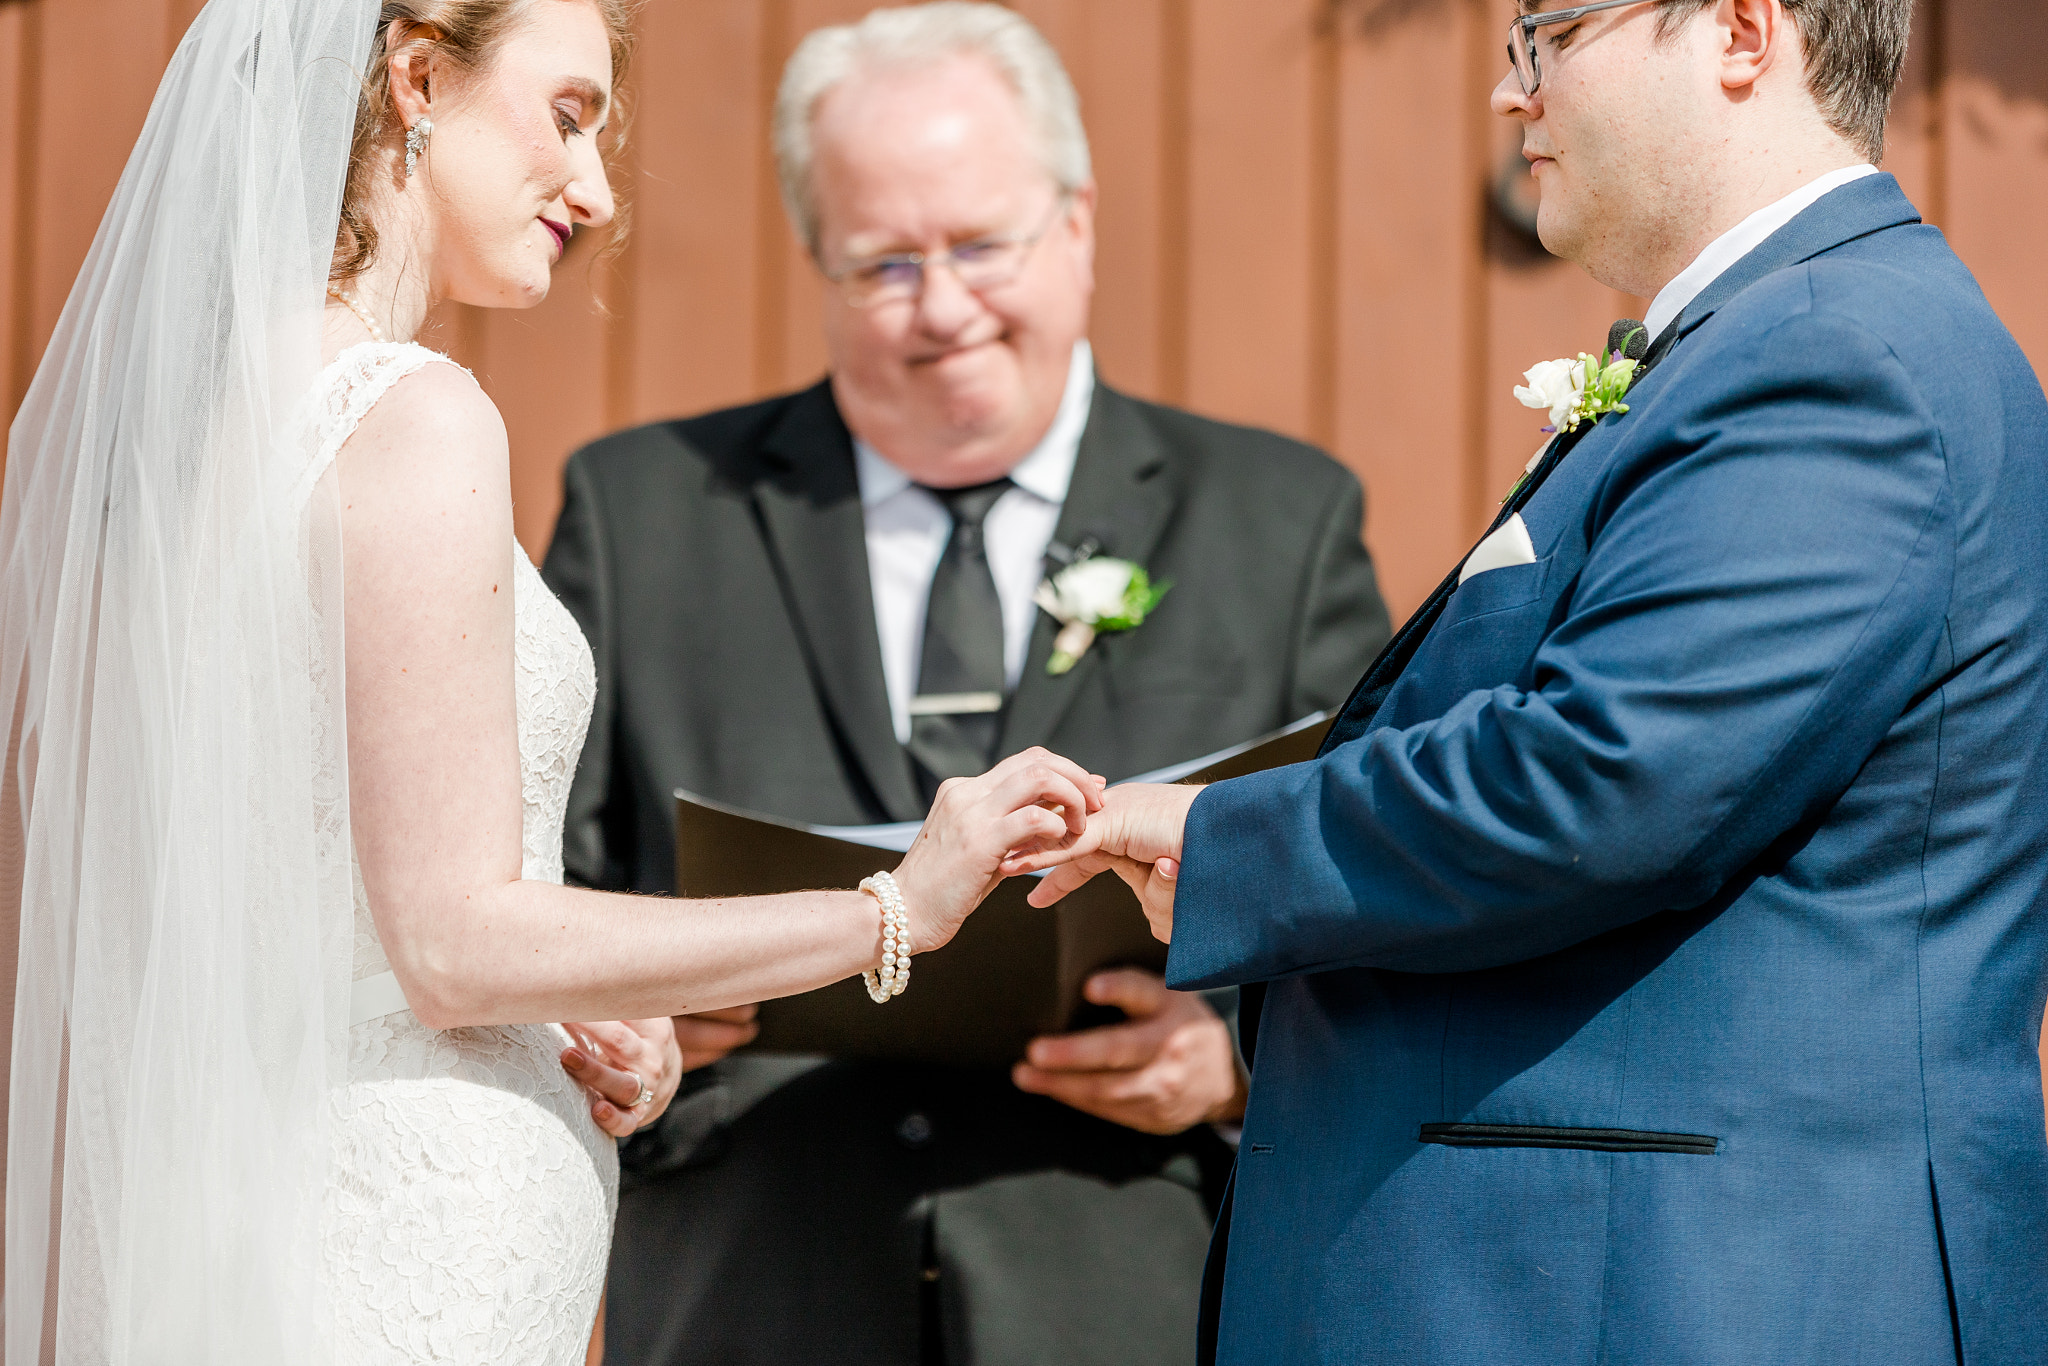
(1031, 803)
(611, 1059)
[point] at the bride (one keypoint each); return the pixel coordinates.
(292, 725)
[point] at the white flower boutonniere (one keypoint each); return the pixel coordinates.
(1575, 391)
(1093, 596)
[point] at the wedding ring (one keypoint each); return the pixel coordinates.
(646, 1092)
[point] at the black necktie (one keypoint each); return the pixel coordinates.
(960, 682)
(1628, 337)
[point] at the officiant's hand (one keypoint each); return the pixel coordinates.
(1169, 1067)
(711, 1034)
(1137, 836)
(1021, 815)
(611, 1059)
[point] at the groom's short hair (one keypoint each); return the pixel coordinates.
(1854, 52)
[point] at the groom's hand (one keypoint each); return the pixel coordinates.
(1171, 1066)
(1136, 835)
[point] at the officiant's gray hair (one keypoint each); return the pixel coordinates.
(913, 36)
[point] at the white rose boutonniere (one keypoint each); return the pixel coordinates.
(1093, 596)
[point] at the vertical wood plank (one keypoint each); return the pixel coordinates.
(1250, 212)
(545, 369)
(1407, 241)
(178, 17)
(16, 261)
(1116, 56)
(699, 143)
(797, 299)
(76, 162)
(1913, 137)
(1176, 170)
(1996, 138)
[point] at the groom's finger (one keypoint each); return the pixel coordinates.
(1066, 877)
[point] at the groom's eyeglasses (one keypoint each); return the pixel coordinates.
(1522, 38)
(985, 263)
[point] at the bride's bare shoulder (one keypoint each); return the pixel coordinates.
(436, 415)
(428, 465)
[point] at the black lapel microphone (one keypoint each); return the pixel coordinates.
(1629, 338)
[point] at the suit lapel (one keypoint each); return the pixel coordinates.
(1355, 718)
(810, 512)
(1122, 496)
(1862, 207)
(1856, 210)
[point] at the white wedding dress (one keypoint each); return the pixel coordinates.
(469, 1205)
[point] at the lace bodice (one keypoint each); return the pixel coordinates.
(470, 1202)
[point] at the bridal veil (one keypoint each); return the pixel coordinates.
(174, 828)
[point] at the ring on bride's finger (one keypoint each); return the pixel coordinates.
(646, 1092)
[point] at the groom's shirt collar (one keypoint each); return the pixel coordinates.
(1739, 242)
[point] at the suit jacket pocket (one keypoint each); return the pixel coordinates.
(1588, 1140)
(1498, 590)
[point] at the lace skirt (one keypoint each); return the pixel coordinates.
(469, 1207)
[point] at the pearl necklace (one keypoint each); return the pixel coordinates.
(348, 301)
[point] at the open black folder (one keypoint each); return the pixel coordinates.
(1012, 973)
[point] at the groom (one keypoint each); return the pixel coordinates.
(1653, 959)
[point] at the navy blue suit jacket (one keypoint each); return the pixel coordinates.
(1655, 975)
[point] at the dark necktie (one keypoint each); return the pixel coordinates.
(1627, 337)
(960, 681)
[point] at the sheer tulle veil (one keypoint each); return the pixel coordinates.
(175, 818)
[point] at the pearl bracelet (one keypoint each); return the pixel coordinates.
(895, 973)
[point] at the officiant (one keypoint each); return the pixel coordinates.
(822, 606)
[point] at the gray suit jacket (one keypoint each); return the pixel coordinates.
(719, 568)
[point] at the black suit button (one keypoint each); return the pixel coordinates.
(915, 1130)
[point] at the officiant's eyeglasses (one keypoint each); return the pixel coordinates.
(982, 264)
(1522, 37)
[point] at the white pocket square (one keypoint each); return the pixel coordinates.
(1508, 545)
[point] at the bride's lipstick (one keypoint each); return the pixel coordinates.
(561, 232)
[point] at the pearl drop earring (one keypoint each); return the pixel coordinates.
(416, 142)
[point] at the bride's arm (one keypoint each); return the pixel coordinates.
(434, 780)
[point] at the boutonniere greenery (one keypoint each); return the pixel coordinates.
(1093, 596)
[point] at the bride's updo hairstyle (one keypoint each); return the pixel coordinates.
(464, 32)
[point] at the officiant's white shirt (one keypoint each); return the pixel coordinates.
(907, 530)
(1738, 242)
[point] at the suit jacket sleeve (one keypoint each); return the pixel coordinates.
(1342, 622)
(578, 569)
(1763, 596)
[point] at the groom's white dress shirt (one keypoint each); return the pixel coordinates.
(907, 529)
(1738, 242)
